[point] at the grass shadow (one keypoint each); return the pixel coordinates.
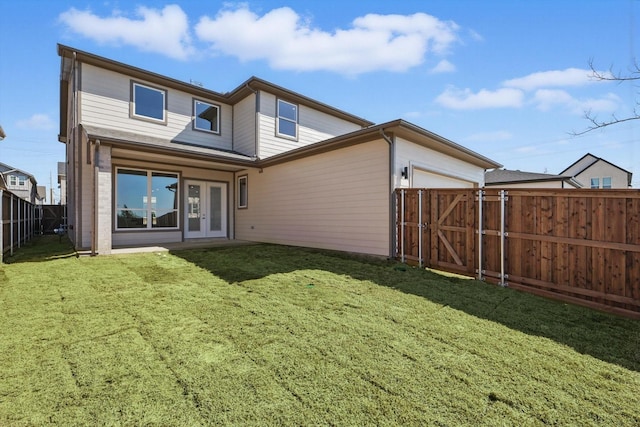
(605, 336)
(42, 248)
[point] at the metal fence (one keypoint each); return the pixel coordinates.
(17, 220)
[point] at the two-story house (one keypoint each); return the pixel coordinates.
(153, 160)
(595, 172)
(19, 182)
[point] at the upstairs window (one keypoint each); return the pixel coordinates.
(287, 123)
(148, 102)
(606, 182)
(206, 116)
(595, 182)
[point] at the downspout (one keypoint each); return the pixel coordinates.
(392, 200)
(94, 211)
(256, 121)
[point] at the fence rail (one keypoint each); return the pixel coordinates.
(17, 222)
(581, 246)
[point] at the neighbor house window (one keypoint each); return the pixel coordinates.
(15, 180)
(606, 182)
(206, 116)
(148, 102)
(595, 182)
(146, 199)
(243, 194)
(287, 123)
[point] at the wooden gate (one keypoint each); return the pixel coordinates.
(436, 229)
(51, 216)
(581, 246)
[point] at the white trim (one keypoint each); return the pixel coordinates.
(133, 103)
(413, 166)
(205, 210)
(295, 122)
(217, 107)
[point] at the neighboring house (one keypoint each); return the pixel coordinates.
(19, 182)
(518, 179)
(41, 194)
(595, 172)
(62, 182)
(154, 160)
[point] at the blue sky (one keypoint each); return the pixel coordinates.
(508, 79)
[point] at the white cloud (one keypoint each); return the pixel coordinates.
(163, 31)
(443, 66)
(499, 135)
(557, 78)
(546, 99)
(526, 149)
(281, 37)
(37, 122)
(465, 99)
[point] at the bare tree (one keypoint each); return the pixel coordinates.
(632, 77)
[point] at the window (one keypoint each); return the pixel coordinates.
(206, 116)
(595, 182)
(287, 124)
(606, 182)
(146, 199)
(243, 194)
(148, 102)
(15, 180)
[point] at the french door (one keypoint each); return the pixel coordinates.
(205, 209)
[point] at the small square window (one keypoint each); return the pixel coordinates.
(606, 182)
(206, 116)
(287, 122)
(148, 102)
(243, 193)
(595, 182)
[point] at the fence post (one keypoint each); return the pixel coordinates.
(11, 226)
(1, 226)
(480, 231)
(420, 227)
(503, 198)
(402, 226)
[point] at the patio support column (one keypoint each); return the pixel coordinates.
(102, 199)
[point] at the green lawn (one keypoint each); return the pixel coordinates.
(272, 335)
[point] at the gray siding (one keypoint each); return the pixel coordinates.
(244, 126)
(313, 126)
(105, 102)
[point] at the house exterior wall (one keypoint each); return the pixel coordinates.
(336, 200)
(580, 165)
(244, 126)
(106, 98)
(313, 126)
(428, 168)
(25, 191)
(132, 159)
(600, 170)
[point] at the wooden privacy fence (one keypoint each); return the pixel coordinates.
(580, 246)
(17, 222)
